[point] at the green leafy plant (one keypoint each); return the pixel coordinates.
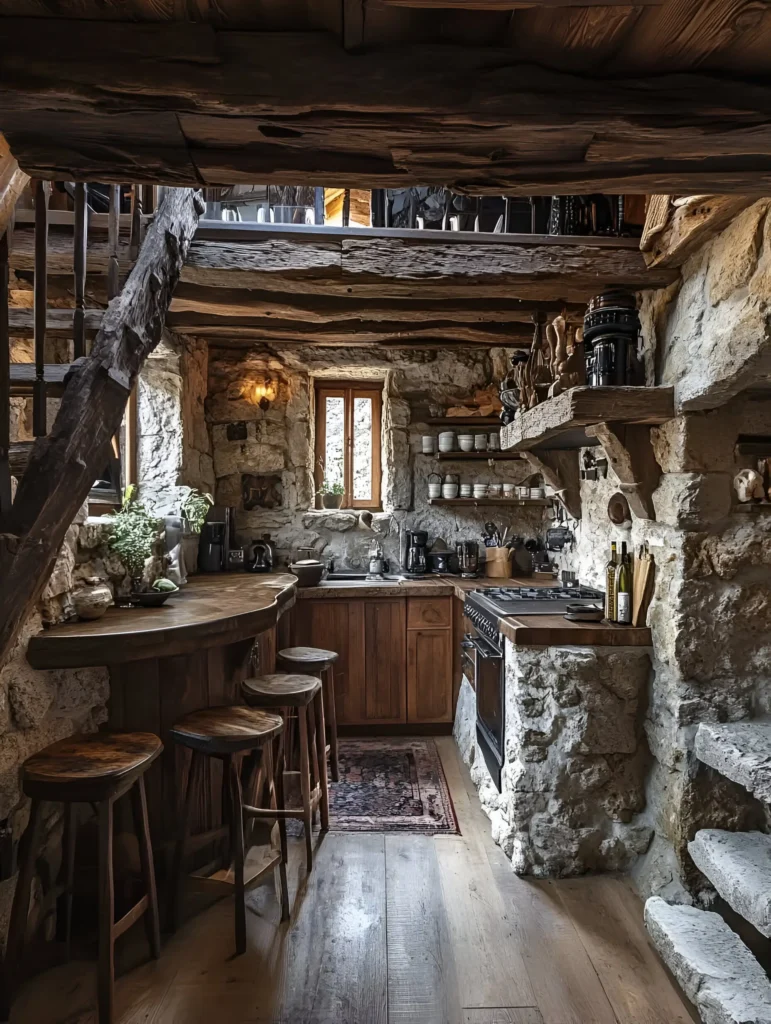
(134, 531)
(195, 508)
(328, 487)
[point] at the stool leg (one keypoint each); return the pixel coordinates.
(276, 793)
(106, 969)
(70, 836)
(331, 716)
(305, 786)
(142, 827)
(175, 882)
(317, 753)
(323, 780)
(28, 848)
(237, 845)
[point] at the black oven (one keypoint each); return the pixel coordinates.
(482, 655)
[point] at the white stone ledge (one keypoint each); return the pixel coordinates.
(739, 866)
(712, 965)
(739, 750)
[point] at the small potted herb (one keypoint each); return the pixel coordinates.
(332, 494)
(195, 509)
(134, 532)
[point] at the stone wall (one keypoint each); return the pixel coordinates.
(573, 780)
(174, 449)
(278, 444)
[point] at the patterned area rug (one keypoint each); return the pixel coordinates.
(391, 784)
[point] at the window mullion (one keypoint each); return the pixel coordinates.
(348, 461)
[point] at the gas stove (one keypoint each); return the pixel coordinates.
(486, 607)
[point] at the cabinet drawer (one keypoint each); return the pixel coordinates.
(433, 612)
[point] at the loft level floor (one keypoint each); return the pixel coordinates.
(397, 929)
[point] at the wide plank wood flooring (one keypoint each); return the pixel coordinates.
(397, 929)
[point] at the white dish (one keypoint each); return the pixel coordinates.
(449, 490)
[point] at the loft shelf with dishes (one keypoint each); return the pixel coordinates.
(509, 502)
(491, 455)
(582, 388)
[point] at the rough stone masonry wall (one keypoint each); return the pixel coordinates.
(277, 445)
(711, 613)
(573, 779)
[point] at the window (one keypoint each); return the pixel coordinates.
(348, 440)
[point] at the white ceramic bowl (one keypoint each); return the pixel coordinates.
(466, 490)
(480, 490)
(434, 490)
(449, 490)
(537, 492)
(466, 442)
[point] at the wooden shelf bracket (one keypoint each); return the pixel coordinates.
(560, 471)
(630, 453)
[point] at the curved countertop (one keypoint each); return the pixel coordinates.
(210, 611)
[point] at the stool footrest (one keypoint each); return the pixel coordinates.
(131, 916)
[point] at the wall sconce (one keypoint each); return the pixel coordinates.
(262, 392)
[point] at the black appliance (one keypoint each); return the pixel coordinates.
(611, 327)
(211, 548)
(468, 558)
(416, 553)
(262, 556)
(482, 652)
(439, 561)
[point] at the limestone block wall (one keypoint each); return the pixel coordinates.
(573, 781)
(277, 445)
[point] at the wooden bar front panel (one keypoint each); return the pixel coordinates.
(385, 644)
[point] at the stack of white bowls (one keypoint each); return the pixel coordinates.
(480, 490)
(449, 491)
(447, 441)
(429, 444)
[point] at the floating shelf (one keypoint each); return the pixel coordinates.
(473, 456)
(513, 502)
(462, 421)
(559, 423)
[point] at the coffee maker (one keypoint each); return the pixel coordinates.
(416, 553)
(468, 558)
(211, 549)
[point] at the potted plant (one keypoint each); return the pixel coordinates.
(134, 532)
(195, 509)
(332, 494)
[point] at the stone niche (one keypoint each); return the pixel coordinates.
(263, 459)
(573, 780)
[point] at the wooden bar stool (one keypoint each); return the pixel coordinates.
(316, 661)
(95, 769)
(231, 734)
(301, 693)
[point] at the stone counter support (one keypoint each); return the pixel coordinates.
(575, 759)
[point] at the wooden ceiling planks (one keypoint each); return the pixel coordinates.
(572, 40)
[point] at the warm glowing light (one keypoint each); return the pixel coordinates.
(262, 392)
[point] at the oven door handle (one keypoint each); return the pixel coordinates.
(467, 643)
(484, 649)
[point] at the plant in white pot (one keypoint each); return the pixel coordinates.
(195, 509)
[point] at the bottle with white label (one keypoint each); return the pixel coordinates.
(624, 589)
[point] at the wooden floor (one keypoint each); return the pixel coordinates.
(397, 929)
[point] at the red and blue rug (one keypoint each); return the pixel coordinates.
(391, 784)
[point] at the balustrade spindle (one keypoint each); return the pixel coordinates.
(79, 264)
(39, 418)
(5, 382)
(136, 221)
(113, 236)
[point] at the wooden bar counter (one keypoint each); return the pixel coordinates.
(191, 653)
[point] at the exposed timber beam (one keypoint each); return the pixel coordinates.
(13, 181)
(64, 464)
(691, 225)
(186, 103)
(508, 5)
(58, 322)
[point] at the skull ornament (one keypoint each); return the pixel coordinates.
(749, 485)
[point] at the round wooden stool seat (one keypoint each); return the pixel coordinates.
(310, 659)
(280, 690)
(89, 767)
(226, 730)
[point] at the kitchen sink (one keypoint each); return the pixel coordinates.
(351, 579)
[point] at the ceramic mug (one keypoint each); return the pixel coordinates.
(480, 442)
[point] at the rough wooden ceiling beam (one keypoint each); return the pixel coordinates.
(691, 225)
(186, 103)
(13, 181)
(509, 5)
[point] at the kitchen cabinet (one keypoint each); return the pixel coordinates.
(395, 664)
(429, 675)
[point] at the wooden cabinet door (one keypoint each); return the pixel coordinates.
(429, 675)
(337, 625)
(385, 645)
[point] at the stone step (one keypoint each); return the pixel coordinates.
(741, 751)
(714, 968)
(739, 866)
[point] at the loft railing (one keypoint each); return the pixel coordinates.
(40, 380)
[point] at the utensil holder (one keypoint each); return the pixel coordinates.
(497, 562)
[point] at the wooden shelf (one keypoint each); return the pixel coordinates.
(462, 421)
(559, 423)
(513, 502)
(473, 456)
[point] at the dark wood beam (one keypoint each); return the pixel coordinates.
(692, 225)
(58, 322)
(64, 465)
(13, 181)
(186, 103)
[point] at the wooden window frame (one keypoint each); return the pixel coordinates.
(349, 391)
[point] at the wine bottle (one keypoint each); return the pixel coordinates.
(624, 589)
(610, 584)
